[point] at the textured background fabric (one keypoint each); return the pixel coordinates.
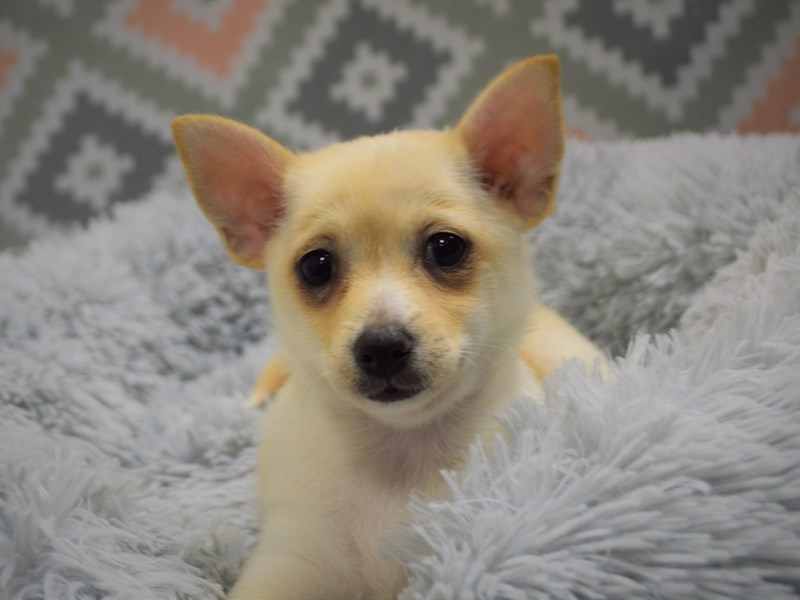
(126, 352)
(87, 88)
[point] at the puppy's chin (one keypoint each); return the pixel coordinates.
(410, 411)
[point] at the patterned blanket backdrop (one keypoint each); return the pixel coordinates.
(88, 87)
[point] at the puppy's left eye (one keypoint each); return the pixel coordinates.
(445, 249)
(316, 267)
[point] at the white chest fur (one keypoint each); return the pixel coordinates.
(332, 483)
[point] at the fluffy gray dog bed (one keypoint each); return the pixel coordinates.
(126, 456)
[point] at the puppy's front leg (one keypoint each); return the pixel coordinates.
(552, 340)
(271, 577)
(298, 561)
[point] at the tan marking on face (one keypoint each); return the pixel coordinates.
(373, 203)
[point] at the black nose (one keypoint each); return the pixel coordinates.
(383, 351)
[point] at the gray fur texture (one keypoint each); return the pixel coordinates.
(126, 456)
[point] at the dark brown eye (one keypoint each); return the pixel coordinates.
(316, 267)
(445, 250)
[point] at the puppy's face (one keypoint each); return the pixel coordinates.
(396, 262)
(395, 276)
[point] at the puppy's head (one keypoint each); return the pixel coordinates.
(396, 262)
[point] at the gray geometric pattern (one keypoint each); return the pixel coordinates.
(302, 109)
(45, 198)
(87, 88)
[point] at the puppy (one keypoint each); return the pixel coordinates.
(403, 302)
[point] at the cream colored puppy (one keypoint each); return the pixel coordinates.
(403, 302)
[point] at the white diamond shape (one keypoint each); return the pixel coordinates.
(369, 81)
(94, 173)
(78, 80)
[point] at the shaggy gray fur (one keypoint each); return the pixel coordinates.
(125, 352)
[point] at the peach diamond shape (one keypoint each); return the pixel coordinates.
(212, 50)
(777, 109)
(8, 59)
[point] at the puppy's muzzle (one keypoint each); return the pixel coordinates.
(384, 355)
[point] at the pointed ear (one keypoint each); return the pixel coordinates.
(514, 134)
(236, 174)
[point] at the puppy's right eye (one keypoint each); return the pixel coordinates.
(445, 250)
(316, 267)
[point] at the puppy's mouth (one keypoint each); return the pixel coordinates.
(390, 392)
(392, 389)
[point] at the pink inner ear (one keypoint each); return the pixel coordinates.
(236, 173)
(248, 230)
(512, 137)
(513, 132)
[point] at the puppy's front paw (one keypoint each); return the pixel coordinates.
(269, 382)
